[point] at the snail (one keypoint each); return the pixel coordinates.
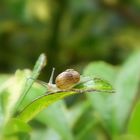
(64, 81)
(67, 79)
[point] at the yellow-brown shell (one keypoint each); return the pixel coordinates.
(67, 79)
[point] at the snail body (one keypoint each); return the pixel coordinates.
(67, 79)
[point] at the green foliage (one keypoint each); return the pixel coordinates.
(102, 115)
(14, 94)
(115, 109)
(133, 125)
(102, 103)
(40, 64)
(127, 84)
(72, 33)
(78, 30)
(55, 116)
(15, 126)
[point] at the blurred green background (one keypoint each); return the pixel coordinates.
(71, 32)
(74, 33)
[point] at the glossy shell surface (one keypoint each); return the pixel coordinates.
(67, 79)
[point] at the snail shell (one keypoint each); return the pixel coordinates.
(67, 79)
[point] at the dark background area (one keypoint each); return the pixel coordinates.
(70, 32)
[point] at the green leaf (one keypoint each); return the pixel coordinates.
(126, 137)
(35, 92)
(55, 117)
(42, 102)
(127, 84)
(3, 79)
(94, 84)
(40, 64)
(12, 92)
(134, 122)
(76, 111)
(3, 85)
(102, 103)
(49, 134)
(114, 109)
(17, 136)
(16, 126)
(14, 88)
(102, 70)
(85, 123)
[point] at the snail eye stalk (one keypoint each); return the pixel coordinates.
(51, 77)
